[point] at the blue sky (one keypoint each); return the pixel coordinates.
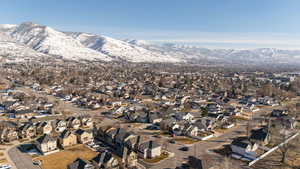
(208, 23)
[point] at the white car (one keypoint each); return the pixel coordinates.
(5, 166)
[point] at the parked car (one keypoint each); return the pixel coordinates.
(34, 162)
(5, 166)
(184, 149)
(172, 141)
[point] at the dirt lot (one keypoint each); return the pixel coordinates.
(60, 160)
(274, 159)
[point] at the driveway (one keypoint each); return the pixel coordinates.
(21, 160)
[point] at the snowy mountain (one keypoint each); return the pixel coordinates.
(120, 49)
(32, 41)
(49, 41)
(12, 51)
(197, 54)
(7, 28)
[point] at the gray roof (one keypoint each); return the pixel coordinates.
(103, 157)
(45, 139)
(65, 134)
(80, 164)
(241, 143)
(259, 134)
(80, 131)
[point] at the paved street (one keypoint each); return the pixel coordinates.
(200, 149)
(21, 160)
(4, 149)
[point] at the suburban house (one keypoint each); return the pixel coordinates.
(206, 124)
(285, 123)
(73, 122)
(279, 113)
(244, 148)
(27, 130)
(117, 137)
(81, 164)
(67, 138)
(105, 160)
(184, 116)
(149, 149)
(43, 128)
(190, 130)
(166, 124)
(84, 136)
(59, 125)
(86, 121)
(8, 131)
(46, 144)
(260, 136)
(154, 118)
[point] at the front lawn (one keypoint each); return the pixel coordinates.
(61, 159)
(185, 140)
(163, 156)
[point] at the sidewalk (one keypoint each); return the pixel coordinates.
(5, 153)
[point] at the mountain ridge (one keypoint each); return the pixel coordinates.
(45, 41)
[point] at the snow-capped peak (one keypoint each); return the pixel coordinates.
(47, 40)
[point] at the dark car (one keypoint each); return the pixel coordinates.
(172, 141)
(184, 149)
(157, 136)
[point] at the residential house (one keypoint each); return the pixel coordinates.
(8, 131)
(81, 164)
(26, 113)
(142, 117)
(149, 149)
(105, 160)
(206, 124)
(244, 148)
(260, 136)
(121, 138)
(154, 118)
(109, 135)
(59, 125)
(67, 138)
(84, 136)
(73, 122)
(27, 130)
(166, 124)
(190, 130)
(86, 121)
(285, 122)
(43, 127)
(184, 116)
(279, 113)
(46, 144)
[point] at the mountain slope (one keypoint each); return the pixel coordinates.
(7, 28)
(196, 54)
(120, 49)
(12, 51)
(33, 41)
(49, 41)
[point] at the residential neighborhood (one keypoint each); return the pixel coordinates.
(149, 119)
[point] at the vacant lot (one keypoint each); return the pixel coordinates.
(274, 159)
(60, 160)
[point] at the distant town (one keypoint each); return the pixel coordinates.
(75, 115)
